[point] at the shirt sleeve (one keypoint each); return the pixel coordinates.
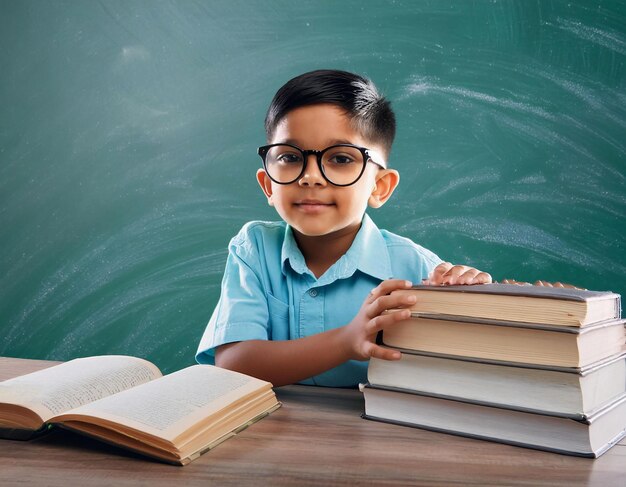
(409, 260)
(428, 261)
(242, 310)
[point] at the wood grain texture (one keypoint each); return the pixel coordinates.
(317, 437)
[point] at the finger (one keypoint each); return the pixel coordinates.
(439, 271)
(380, 322)
(386, 287)
(513, 281)
(483, 278)
(542, 283)
(555, 284)
(377, 351)
(392, 301)
(477, 277)
(451, 277)
(467, 277)
(389, 285)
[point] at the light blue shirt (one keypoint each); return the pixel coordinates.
(268, 292)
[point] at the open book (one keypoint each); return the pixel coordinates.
(127, 402)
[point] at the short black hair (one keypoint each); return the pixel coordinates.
(369, 111)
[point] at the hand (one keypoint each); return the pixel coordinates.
(359, 335)
(448, 274)
(539, 283)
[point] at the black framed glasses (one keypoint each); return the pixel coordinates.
(341, 164)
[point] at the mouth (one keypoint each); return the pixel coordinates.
(312, 205)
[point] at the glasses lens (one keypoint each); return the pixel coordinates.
(342, 165)
(284, 163)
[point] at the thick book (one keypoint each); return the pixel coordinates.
(570, 392)
(588, 437)
(528, 343)
(126, 401)
(511, 302)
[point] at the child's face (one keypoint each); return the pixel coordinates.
(312, 205)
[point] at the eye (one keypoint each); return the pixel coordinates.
(290, 158)
(284, 155)
(342, 156)
(341, 159)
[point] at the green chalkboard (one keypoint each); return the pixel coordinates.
(128, 132)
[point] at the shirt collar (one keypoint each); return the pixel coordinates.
(368, 254)
(291, 255)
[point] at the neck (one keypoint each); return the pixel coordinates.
(321, 252)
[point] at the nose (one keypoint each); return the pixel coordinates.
(312, 175)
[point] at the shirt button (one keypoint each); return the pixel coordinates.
(313, 293)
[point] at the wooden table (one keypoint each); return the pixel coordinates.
(317, 437)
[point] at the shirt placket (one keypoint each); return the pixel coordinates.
(311, 319)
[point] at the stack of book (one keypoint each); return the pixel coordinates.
(531, 366)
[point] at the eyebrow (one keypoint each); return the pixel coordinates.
(331, 142)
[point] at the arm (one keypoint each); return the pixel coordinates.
(285, 361)
(289, 361)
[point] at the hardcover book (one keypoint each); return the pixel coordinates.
(571, 392)
(590, 436)
(125, 401)
(526, 343)
(510, 302)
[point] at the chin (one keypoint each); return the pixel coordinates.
(311, 232)
(319, 231)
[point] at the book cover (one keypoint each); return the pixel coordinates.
(567, 393)
(513, 303)
(589, 437)
(525, 343)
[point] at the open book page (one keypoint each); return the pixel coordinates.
(57, 389)
(165, 408)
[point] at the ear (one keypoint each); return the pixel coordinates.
(266, 185)
(386, 182)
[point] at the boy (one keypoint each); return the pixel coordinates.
(302, 300)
